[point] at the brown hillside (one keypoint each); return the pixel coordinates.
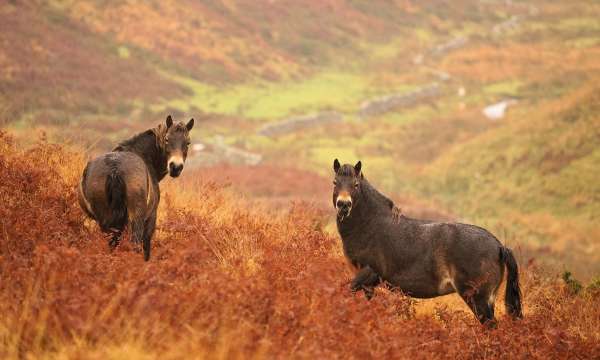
(229, 282)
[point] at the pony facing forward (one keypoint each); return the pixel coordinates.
(121, 186)
(424, 259)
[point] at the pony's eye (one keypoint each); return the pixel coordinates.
(356, 185)
(334, 182)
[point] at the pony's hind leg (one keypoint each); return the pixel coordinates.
(481, 304)
(149, 227)
(488, 310)
(137, 232)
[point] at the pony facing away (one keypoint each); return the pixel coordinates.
(423, 259)
(121, 187)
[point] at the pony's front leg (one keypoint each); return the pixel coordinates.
(366, 279)
(114, 240)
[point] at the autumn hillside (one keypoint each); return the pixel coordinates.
(477, 111)
(228, 282)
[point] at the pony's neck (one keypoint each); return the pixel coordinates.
(375, 200)
(371, 205)
(147, 146)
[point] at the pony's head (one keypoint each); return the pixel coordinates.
(176, 143)
(346, 188)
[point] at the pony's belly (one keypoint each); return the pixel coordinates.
(423, 287)
(425, 293)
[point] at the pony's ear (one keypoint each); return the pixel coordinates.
(357, 167)
(169, 121)
(190, 125)
(336, 165)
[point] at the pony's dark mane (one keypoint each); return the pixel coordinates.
(368, 190)
(384, 201)
(158, 133)
(150, 146)
(374, 194)
(346, 170)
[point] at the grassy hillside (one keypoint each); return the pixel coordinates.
(535, 175)
(228, 282)
(532, 175)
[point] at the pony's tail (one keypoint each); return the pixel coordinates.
(116, 195)
(512, 298)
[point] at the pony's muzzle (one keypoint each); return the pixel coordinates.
(175, 168)
(343, 205)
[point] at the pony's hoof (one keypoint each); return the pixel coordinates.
(112, 244)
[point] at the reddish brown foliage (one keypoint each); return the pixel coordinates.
(226, 281)
(273, 184)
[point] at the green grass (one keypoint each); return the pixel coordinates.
(388, 50)
(579, 23)
(584, 42)
(328, 90)
(506, 88)
(262, 100)
(342, 87)
(322, 155)
(123, 52)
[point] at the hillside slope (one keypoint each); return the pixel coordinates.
(90, 74)
(225, 281)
